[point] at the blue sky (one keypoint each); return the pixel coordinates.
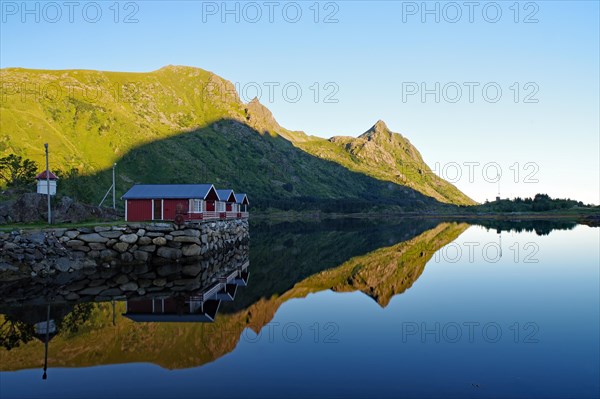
(370, 61)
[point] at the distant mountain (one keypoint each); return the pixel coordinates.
(385, 155)
(182, 124)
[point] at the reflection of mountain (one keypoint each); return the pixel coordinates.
(283, 254)
(380, 274)
(388, 271)
(541, 227)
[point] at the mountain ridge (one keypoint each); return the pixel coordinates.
(95, 118)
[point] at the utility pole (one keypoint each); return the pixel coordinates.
(114, 186)
(48, 185)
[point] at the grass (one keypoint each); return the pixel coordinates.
(38, 226)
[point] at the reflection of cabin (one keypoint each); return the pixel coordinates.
(145, 202)
(173, 309)
(42, 183)
(201, 307)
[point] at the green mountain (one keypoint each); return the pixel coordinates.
(183, 124)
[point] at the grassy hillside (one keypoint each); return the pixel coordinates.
(183, 124)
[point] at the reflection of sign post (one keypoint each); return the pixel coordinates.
(45, 327)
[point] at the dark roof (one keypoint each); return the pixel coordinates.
(169, 318)
(240, 198)
(187, 191)
(224, 194)
(42, 176)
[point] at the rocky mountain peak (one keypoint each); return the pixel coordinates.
(378, 130)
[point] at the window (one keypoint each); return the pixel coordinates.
(197, 206)
(220, 206)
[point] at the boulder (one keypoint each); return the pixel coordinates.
(169, 253)
(8, 267)
(154, 234)
(159, 241)
(111, 234)
(148, 248)
(121, 279)
(37, 238)
(93, 290)
(112, 292)
(141, 255)
(71, 233)
(144, 241)
(129, 238)
(126, 257)
(62, 264)
(159, 282)
(187, 239)
(93, 237)
(108, 254)
(121, 246)
(98, 246)
(130, 286)
(192, 232)
(192, 270)
(167, 269)
(191, 250)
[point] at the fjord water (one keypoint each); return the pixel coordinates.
(415, 308)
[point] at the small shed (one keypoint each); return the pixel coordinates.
(43, 180)
(242, 200)
(227, 198)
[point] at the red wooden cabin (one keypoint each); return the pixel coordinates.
(226, 206)
(144, 202)
(242, 205)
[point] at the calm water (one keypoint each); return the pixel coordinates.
(350, 309)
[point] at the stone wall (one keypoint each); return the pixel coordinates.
(70, 249)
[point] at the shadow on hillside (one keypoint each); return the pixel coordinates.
(273, 172)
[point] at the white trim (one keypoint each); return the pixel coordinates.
(193, 205)
(208, 192)
(127, 220)
(152, 204)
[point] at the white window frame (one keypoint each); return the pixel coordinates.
(197, 206)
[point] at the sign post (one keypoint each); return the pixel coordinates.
(48, 185)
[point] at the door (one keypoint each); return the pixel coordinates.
(158, 214)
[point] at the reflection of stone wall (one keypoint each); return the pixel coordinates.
(122, 281)
(63, 250)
